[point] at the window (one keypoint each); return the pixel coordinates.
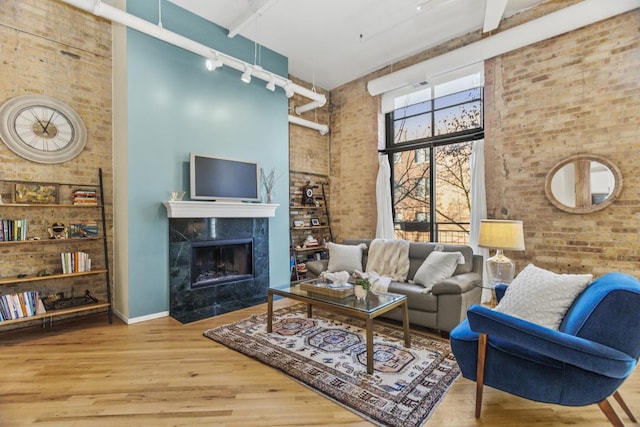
(421, 216)
(429, 140)
(455, 113)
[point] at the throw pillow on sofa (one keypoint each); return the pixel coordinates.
(435, 268)
(345, 257)
(541, 296)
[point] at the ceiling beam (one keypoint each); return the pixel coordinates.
(258, 7)
(493, 13)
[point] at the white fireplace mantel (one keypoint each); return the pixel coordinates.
(190, 209)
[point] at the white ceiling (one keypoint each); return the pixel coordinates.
(332, 42)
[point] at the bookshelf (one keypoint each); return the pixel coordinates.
(309, 217)
(48, 213)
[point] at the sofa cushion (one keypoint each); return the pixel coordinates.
(418, 252)
(541, 296)
(436, 267)
(345, 257)
(415, 299)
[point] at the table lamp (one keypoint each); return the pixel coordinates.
(501, 235)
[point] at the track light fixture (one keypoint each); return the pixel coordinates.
(213, 63)
(272, 84)
(246, 76)
(288, 90)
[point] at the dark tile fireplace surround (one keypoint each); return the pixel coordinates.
(189, 303)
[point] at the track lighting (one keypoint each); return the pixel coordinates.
(116, 15)
(288, 91)
(272, 84)
(246, 76)
(213, 63)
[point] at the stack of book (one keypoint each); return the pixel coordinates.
(20, 304)
(311, 242)
(85, 197)
(75, 262)
(12, 230)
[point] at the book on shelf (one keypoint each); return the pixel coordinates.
(85, 197)
(85, 192)
(23, 307)
(13, 230)
(84, 201)
(83, 229)
(75, 262)
(18, 305)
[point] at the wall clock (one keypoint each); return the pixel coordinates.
(307, 194)
(42, 129)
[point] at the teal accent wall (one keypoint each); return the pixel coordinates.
(176, 106)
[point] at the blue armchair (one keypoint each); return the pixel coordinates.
(595, 349)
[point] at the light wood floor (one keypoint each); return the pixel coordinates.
(163, 373)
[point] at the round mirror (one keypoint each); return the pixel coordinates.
(583, 184)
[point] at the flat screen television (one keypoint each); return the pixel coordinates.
(216, 178)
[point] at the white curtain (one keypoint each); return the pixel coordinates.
(384, 227)
(478, 208)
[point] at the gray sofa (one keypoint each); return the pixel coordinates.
(445, 306)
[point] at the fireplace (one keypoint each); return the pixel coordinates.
(215, 262)
(217, 265)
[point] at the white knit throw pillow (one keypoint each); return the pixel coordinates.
(541, 296)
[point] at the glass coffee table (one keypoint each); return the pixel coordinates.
(375, 304)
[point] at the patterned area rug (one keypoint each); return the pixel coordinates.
(328, 354)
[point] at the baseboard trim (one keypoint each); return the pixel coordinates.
(131, 321)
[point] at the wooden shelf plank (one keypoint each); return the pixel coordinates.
(310, 227)
(301, 207)
(12, 280)
(77, 185)
(59, 241)
(312, 249)
(48, 205)
(57, 313)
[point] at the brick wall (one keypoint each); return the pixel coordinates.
(575, 93)
(50, 48)
(354, 160)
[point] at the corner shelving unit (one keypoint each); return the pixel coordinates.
(45, 250)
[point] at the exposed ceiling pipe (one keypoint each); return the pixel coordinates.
(323, 129)
(307, 107)
(114, 14)
(562, 21)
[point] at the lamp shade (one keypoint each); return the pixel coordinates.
(501, 234)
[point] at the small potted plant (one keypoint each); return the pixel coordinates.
(361, 288)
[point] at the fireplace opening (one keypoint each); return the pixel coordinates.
(215, 262)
